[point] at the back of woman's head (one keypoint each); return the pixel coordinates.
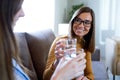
(8, 47)
(8, 9)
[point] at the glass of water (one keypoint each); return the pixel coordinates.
(80, 51)
(70, 48)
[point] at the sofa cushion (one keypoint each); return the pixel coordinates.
(39, 43)
(118, 67)
(25, 54)
(99, 70)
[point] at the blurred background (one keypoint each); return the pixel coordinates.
(55, 14)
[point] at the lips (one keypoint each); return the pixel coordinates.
(79, 31)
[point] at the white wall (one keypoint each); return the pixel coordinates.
(117, 27)
(60, 13)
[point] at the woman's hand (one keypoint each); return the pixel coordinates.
(72, 68)
(59, 51)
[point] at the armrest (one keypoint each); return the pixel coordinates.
(112, 53)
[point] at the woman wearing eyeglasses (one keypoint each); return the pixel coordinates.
(82, 27)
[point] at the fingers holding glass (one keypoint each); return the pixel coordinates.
(59, 49)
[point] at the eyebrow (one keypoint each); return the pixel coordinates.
(84, 19)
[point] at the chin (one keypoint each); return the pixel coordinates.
(13, 25)
(79, 35)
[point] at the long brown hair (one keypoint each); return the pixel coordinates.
(90, 37)
(8, 45)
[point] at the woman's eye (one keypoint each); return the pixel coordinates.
(87, 22)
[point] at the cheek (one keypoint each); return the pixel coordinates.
(86, 31)
(80, 31)
(16, 17)
(74, 28)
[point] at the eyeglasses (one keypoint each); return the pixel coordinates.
(86, 23)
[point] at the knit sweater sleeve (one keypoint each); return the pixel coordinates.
(49, 66)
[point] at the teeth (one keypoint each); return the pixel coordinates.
(80, 30)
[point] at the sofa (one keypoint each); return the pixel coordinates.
(112, 57)
(34, 48)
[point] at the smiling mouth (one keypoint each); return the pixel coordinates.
(79, 31)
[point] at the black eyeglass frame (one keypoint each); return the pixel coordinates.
(86, 23)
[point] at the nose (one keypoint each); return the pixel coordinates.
(22, 14)
(81, 24)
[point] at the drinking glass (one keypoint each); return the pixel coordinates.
(80, 51)
(70, 48)
(70, 51)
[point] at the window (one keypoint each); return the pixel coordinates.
(39, 14)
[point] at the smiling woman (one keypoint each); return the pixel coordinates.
(85, 40)
(82, 24)
(37, 16)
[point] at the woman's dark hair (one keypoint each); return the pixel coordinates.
(90, 37)
(8, 45)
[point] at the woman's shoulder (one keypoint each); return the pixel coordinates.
(61, 37)
(18, 72)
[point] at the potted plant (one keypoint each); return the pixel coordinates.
(73, 9)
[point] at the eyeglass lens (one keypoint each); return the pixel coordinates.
(85, 22)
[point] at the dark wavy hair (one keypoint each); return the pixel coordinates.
(8, 45)
(90, 37)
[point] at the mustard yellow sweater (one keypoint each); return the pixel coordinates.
(51, 58)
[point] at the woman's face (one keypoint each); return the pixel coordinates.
(82, 24)
(19, 14)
